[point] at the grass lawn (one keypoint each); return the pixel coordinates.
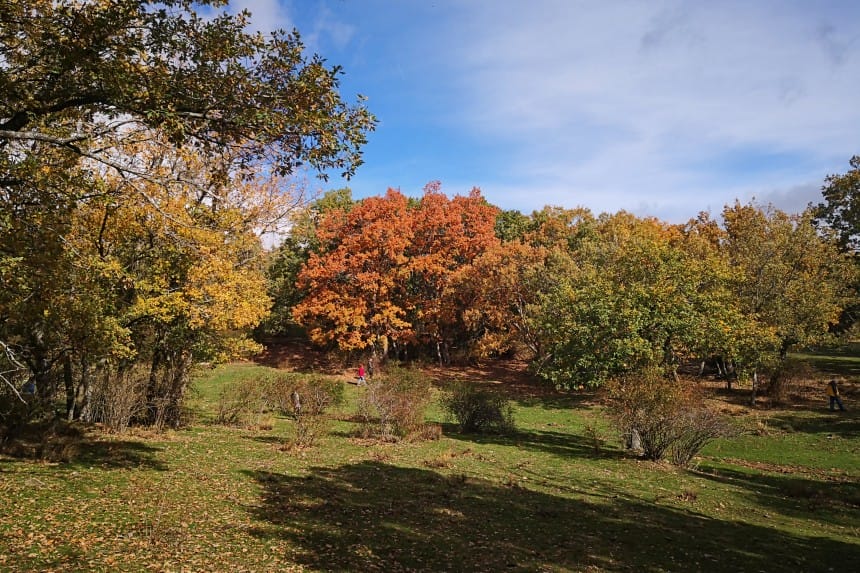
(784, 496)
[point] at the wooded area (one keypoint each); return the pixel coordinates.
(529, 401)
(585, 297)
(144, 149)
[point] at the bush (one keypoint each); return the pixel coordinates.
(645, 404)
(667, 416)
(303, 394)
(242, 402)
(306, 398)
(118, 397)
(393, 405)
(785, 379)
(696, 428)
(479, 410)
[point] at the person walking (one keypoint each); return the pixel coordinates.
(833, 394)
(360, 374)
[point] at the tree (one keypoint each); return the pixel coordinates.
(356, 283)
(383, 269)
(628, 297)
(791, 283)
(85, 77)
(290, 256)
(840, 214)
(512, 225)
(500, 293)
(131, 136)
(447, 236)
(840, 210)
(182, 281)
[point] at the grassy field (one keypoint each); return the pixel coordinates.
(558, 495)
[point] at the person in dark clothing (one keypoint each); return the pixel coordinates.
(833, 394)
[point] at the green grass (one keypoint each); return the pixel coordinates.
(842, 361)
(782, 497)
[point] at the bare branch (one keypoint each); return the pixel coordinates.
(37, 136)
(10, 356)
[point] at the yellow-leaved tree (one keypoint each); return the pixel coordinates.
(182, 268)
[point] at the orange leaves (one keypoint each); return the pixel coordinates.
(499, 292)
(384, 265)
(355, 283)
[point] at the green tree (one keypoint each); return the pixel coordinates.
(287, 260)
(117, 244)
(840, 214)
(86, 76)
(628, 297)
(791, 283)
(840, 210)
(512, 225)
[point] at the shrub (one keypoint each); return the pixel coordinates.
(667, 417)
(646, 404)
(118, 397)
(393, 405)
(595, 438)
(786, 378)
(306, 398)
(302, 394)
(695, 429)
(242, 402)
(478, 410)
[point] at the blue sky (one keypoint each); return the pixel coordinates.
(662, 108)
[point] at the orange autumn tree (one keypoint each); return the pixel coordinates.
(500, 293)
(448, 234)
(356, 283)
(383, 269)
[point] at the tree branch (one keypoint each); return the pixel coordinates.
(10, 356)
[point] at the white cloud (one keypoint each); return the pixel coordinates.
(323, 26)
(266, 15)
(626, 104)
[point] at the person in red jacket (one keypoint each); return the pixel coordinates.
(360, 374)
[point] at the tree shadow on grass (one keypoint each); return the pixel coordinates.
(573, 400)
(81, 446)
(834, 501)
(375, 517)
(561, 444)
(843, 425)
(125, 454)
(271, 439)
(297, 355)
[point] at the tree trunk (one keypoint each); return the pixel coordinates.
(42, 378)
(634, 440)
(86, 414)
(152, 388)
(754, 388)
(69, 381)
